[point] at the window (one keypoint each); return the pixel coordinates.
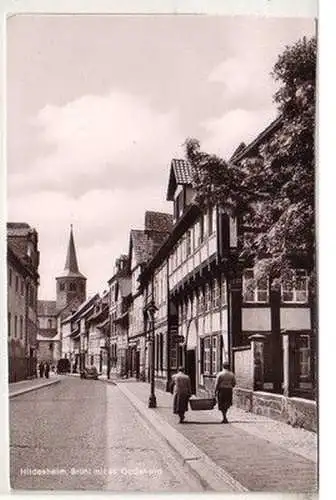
(49, 323)
(21, 327)
(22, 287)
(214, 356)
(10, 277)
(201, 301)
(61, 287)
(216, 294)
(207, 356)
(72, 287)
(223, 291)
(15, 326)
(253, 290)
(173, 356)
(210, 221)
(16, 283)
(207, 297)
(304, 356)
(295, 289)
(9, 324)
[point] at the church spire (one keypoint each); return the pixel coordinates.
(71, 264)
(71, 268)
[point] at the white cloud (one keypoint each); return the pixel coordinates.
(109, 164)
(95, 138)
(238, 125)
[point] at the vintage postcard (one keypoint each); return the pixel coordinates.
(161, 252)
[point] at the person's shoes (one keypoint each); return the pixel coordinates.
(225, 421)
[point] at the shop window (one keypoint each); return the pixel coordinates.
(295, 289)
(256, 291)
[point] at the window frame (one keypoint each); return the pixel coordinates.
(294, 290)
(256, 290)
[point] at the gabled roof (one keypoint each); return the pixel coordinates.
(180, 174)
(253, 147)
(158, 221)
(46, 308)
(141, 245)
(18, 229)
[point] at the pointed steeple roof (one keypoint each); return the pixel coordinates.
(71, 264)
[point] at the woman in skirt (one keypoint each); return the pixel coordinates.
(225, 382)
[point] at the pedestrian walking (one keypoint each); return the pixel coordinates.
(41, 369)
(181, 388)
(47, 369)
(225, 381)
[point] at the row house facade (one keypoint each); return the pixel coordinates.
(142, 247)
(120, 299)
(211, 304)
(22, 288)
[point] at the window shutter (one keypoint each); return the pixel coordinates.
(202, 354)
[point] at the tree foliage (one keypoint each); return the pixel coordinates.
(273, 192)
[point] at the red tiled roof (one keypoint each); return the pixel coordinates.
(180, 173)
(158, 221)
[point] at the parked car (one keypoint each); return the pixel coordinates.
(63, 366)
(89, 373)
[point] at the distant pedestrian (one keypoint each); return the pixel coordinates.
(47, 369)
(225, 381)
(41, 369)
(181, 388)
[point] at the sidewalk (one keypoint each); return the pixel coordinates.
(257, 453)
(17, 388)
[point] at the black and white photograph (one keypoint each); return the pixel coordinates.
(162, 285)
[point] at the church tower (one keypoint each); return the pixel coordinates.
(71, 284)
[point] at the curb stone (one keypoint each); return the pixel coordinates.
(33, 388)
(213, 477)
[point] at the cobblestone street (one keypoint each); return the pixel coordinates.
(95, 435)
(86, 435)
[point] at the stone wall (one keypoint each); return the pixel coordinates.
(297, 412)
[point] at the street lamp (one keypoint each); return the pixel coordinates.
(151, 310)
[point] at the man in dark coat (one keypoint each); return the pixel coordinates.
(181, 387)
(225, 381)
(41, 369)
(47, 369)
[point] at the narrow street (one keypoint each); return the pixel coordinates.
(84, 434)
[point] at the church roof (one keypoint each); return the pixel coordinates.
(71, 269)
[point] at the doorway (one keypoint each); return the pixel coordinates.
(191, 368)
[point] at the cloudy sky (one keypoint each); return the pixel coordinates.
(99, 105)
